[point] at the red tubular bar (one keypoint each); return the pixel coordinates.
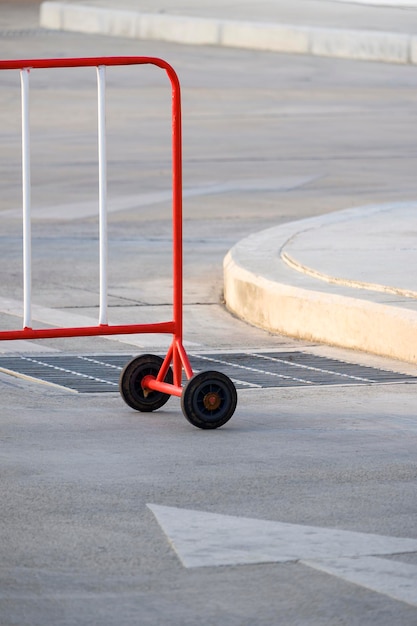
(88, 331)
(176, 353)
(149, 382)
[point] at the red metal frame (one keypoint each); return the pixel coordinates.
(176, 354)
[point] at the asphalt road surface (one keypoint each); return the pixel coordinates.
(302, 509)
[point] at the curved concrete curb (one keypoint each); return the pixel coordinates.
(262, 290)
(349, 44)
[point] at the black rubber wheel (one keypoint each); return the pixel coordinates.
(209, 400)
(130, 383)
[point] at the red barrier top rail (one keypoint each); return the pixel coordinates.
(18, 64)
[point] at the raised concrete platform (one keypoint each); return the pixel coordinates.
(316, 27)
(345, 279)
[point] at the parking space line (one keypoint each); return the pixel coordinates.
(68, 371)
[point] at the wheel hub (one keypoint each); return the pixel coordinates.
(212, 401)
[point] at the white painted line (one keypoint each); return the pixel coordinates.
(313, 369)
(392, 578)
(46, 315)
(67, 371)
(33, 379)
(80, 210)
(254, 369)
(209, 539)
(64, 319)
(237, 381)
(97, 362)
(7, 347)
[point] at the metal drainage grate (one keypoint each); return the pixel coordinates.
(100, 373)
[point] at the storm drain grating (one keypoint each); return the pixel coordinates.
(100, 373)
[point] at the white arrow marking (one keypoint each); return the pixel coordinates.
(208, 539)
(202, 538)
(392, 578)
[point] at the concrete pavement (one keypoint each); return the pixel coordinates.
(342, 279)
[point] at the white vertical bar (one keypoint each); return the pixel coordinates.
(102, 165)
(27, 243)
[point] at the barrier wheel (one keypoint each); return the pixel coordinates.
(209, 400)
(130, 383)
